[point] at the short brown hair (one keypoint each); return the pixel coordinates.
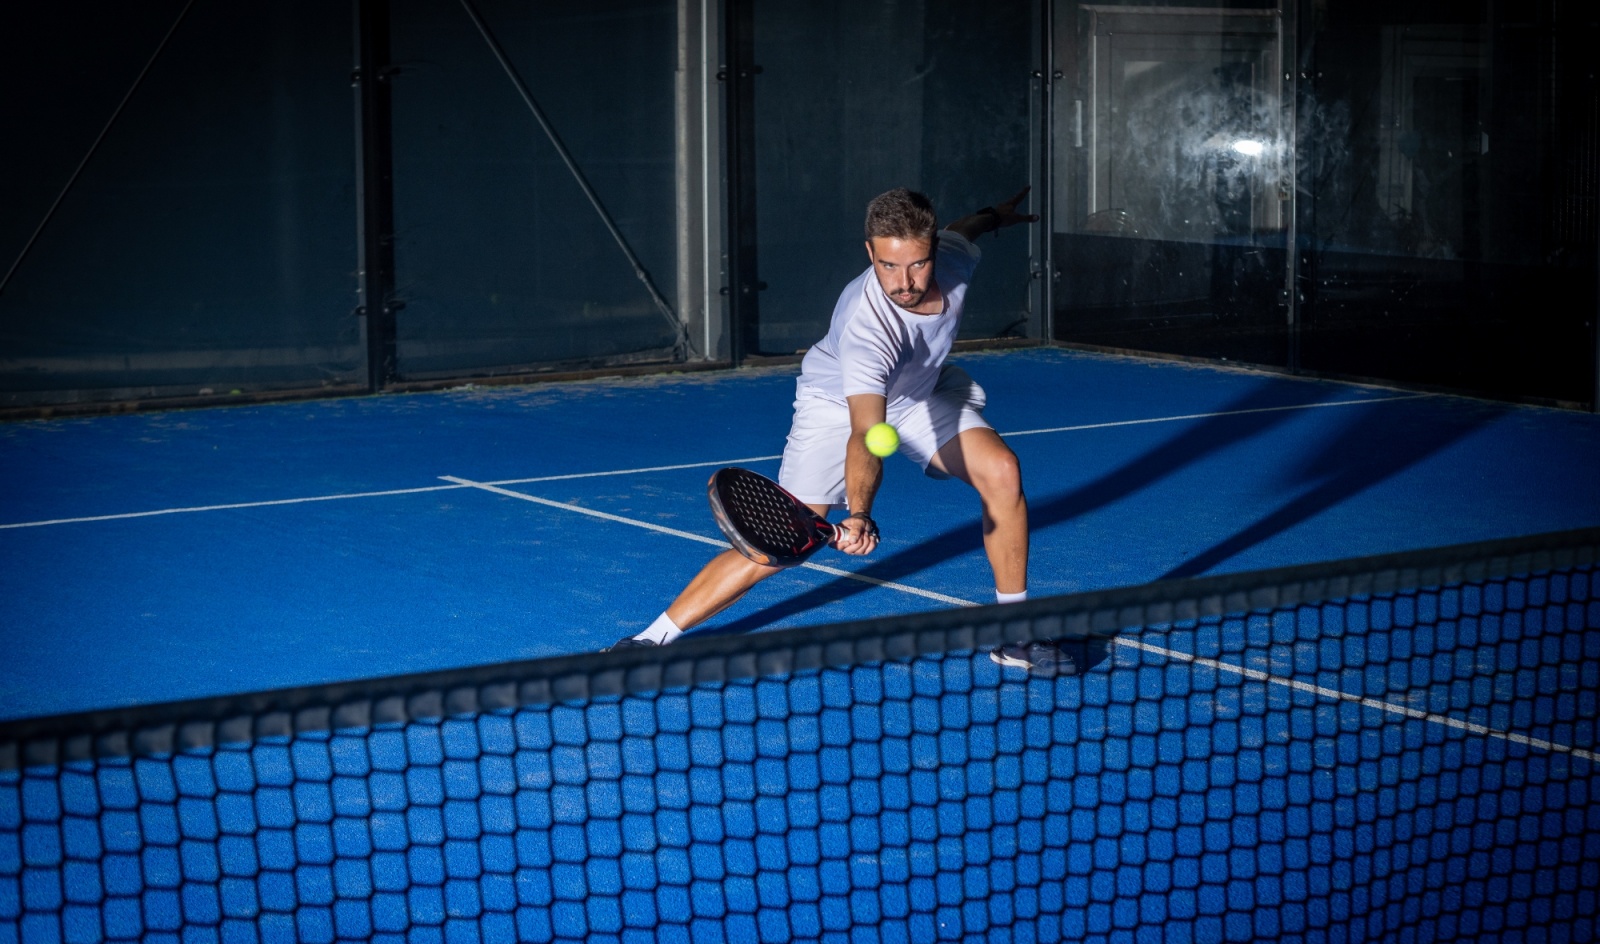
(901, 214)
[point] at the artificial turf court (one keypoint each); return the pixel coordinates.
(165, 556)
(1402, 761)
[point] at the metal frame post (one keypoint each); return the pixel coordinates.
(1290, 50)
(1046, 74)
(741, 285)
(375, 191)
(700, 191)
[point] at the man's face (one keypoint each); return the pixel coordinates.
(904, 268)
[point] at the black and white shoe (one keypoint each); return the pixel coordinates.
(1039, 658)
(1054, 657)
(630, 642)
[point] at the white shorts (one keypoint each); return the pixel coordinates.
(813, 459)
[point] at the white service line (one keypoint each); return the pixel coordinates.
(1207, 416)
(657, 468)
(1379, 704)
(654, 468)
(393, 491)
(231, 507)
(662, 529)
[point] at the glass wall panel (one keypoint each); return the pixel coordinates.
(853, 99)
(208, 245)
(1448, 197)
(1436, 162)
(502, 262)
(1172, 144)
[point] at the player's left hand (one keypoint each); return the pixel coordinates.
(1006, 210)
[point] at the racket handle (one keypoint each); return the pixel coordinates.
(838, 530)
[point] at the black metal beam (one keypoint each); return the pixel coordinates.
(738, 77)
(1048, 75)
(1296, 59)
(375, 190)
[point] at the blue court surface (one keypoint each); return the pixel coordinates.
(163, 556)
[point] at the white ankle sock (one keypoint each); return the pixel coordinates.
(1017, 597)
(661, 632)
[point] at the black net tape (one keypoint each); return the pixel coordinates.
(1398, 748)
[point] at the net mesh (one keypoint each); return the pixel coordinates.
(1391, 749)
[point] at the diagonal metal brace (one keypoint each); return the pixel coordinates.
(106, 129)
(680, 331)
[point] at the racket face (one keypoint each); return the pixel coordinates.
(763, 521)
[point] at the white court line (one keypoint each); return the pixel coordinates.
(254, 504)
(1379, 704)
(658, 468)
(654, 468)
(394, 491)
(1206, 416)
(1252, 674)
(662, 529)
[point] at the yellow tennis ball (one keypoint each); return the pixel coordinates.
(883, 440)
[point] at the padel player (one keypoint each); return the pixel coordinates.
(883, 360)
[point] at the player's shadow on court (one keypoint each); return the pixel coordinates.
(1381, 441)
(1372, 447)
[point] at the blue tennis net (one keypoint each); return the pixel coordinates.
(1388, 749)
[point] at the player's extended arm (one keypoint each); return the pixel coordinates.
(991, 218)
(863, 473)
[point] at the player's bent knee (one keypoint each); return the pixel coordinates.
(999, 477)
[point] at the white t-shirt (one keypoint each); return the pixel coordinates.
(875, 346)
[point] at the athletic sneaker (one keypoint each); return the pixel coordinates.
(1038, 657)
(629, 642)
(1053, 657)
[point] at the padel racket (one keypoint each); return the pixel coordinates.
(763, 521)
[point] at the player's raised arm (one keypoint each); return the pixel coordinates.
(991, 218)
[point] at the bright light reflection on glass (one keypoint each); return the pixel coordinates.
(1248, 147)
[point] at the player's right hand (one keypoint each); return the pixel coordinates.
(857, 536)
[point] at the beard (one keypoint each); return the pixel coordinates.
(908, 299)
